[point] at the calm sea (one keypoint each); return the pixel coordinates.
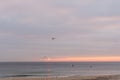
(44, 69)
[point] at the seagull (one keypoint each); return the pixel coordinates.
(53, 38)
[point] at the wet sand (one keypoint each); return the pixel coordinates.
(105, 77)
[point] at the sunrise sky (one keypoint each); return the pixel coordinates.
(85, 30)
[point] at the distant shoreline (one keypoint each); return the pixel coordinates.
(99, 77)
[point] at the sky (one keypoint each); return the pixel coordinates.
(85, 30)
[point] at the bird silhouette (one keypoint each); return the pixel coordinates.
(53, 38)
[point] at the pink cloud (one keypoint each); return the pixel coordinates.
(80, 59)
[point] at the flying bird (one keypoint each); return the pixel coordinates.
(53, 38)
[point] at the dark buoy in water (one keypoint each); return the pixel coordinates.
(72, 65)
(91, 66)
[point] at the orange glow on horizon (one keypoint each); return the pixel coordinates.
(82, 59)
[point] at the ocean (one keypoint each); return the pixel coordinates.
(58, 69)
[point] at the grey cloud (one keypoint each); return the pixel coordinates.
(31, 24)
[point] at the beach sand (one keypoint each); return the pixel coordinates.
(105, 77)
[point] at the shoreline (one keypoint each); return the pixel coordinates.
(98, 77)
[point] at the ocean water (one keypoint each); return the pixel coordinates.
(60, 69)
